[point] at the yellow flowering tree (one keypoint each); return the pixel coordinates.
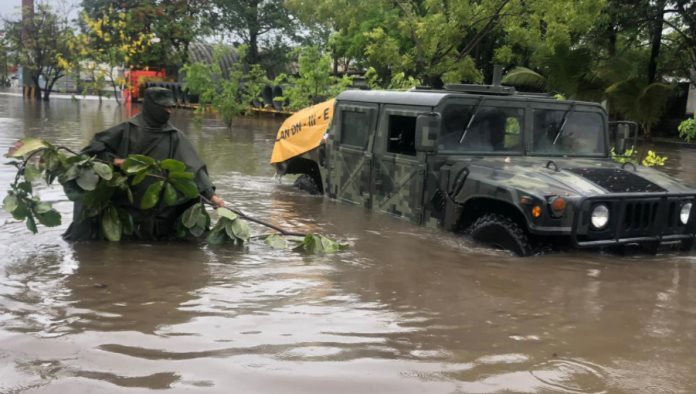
(107, 45)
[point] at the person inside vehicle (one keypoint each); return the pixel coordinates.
(148, 133)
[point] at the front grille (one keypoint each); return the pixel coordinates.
(640, 215)
(634, 219)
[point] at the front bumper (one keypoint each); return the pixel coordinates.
(634, 219)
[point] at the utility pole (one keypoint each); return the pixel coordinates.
(27, 26)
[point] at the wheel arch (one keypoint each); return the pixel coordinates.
(475, 207)
(302, 165)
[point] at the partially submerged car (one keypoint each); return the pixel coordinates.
(510, 169)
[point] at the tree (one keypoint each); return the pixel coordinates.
(437, 41)
(314, 82)
(252, 21)
(105, 40)
(171, 24)
(47, 50)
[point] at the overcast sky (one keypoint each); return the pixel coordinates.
(12, 8)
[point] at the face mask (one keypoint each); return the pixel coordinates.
(155, 103)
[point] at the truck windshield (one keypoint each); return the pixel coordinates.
(481, 128)
(579, 134)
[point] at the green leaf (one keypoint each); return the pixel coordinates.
(29, 145)
(139, 177)
(133, 165)
(173, 165)
(318, 244)
(180, 175)
(187, 187)
(169, 194)
(217, 236)
(50, 218)
(226, 213)
(190, 216)
(51, 160)
(21, 212)
(142, 158)
(31, 224)
(10, 203)
(103, 170)
(126, 222)
(87, 179)
(129, 194)
(42, 207)
(111, 224)
(70, 174)
(25, 186)
(152, 195)
(240, 229)
(31, 173)
(276, 241)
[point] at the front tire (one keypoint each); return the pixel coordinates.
(307, 183)
(501, 232)
(687, 245)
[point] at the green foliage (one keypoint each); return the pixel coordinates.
(640, 101)
(96, 184)
(315, 82)
(174, 24)
(229, 228)
(47, 50)
(652, 159)
(687, 129)
(230, 95)
(318, 244)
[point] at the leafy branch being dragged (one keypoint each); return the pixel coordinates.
(97, 186)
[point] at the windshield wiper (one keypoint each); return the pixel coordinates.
(563, 123)
(471, 119)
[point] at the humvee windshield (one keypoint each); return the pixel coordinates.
(581, 134)
(496, 129)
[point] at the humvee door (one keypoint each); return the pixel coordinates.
(351, 157)
(398, 169)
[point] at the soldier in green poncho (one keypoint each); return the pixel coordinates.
(148, 133)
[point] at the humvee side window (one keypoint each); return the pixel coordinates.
(493, 129)
(402, 135)
(355, 128)
(582, 135)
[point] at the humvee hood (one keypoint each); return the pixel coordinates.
(582, 177)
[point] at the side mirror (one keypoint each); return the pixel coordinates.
(427, 128)
(624, 136)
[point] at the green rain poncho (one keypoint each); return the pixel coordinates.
(148, 133)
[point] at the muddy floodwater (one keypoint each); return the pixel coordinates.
(404, 310)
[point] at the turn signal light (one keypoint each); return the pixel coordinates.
(536, 211)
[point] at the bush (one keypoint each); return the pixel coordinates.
(687, 129)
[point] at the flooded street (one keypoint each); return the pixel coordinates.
(404, 310)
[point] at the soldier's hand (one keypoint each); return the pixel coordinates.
(219, 202)
(118, 162)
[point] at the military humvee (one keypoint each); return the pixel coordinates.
(510, 169)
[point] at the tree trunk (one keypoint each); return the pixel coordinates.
(656, 40)
(253, 23)
(49, 86)
(37, 87)
(113, 85)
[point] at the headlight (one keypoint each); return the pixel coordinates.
(685, 213)
(600, 216)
